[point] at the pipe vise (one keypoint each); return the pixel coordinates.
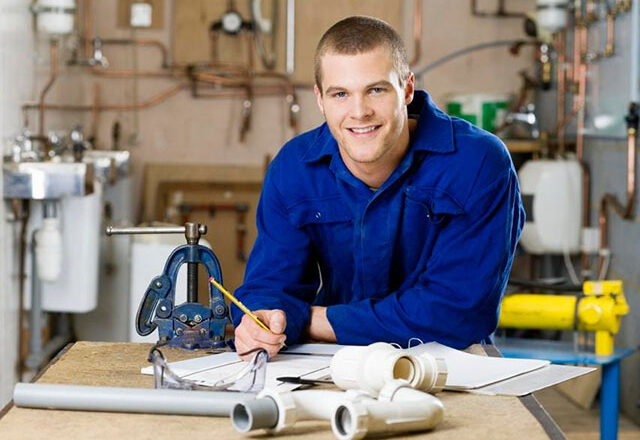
(190, 324)
(599, 309)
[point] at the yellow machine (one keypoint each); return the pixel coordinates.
(599, 309)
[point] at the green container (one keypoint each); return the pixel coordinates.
(487, 111)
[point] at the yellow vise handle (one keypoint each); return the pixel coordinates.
(599, 311)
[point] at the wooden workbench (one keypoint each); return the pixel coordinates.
(467, 416)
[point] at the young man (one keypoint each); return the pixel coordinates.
(390, 221)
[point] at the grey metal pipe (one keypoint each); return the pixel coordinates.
(635, 51)
(137, 400)
(34, 358)
(110, 230)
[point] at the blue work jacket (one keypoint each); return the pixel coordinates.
(425, 256)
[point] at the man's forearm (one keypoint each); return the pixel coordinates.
(319, 327)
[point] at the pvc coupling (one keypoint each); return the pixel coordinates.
(370, 368)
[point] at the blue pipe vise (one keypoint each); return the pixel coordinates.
(188, 325)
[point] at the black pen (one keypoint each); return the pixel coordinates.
(301, 381)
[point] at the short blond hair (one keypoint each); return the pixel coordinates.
(360, 34)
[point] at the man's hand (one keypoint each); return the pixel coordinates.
(250, 335)
(319, 326)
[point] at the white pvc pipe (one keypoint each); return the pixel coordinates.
(399, 408)
(138, 400)
(370, 368)
(635, 51)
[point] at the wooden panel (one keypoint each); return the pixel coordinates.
(157, 17)
(313, 18)
(192, 19)
(168, 185)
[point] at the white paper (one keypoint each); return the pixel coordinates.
(469, 371)
(534, 380)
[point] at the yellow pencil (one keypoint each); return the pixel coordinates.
(239, 304)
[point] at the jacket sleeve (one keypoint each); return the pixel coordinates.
(281, 272)
(456, 296)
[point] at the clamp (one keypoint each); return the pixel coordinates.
(190, 324)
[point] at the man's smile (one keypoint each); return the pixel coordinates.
(364, 130)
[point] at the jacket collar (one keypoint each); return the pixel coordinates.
(434, 131)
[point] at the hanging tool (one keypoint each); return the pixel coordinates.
(190, 324)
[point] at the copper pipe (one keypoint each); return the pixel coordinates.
(609, 49)
(157, 99)
(417, 32)
(52, 78)
(582, 89)
(561, 125)
(140, 42)
(586, 204)
(21, 212)
(560, 70)
(221, 80)
(631, 171)
(583, 43)
(603, 221)
(130, 73)
(86, 28)
(94, 110)
(626, 212)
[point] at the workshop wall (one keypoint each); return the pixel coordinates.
(205, 131)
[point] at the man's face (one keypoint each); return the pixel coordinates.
(365, 108)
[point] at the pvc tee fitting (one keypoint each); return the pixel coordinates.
(370, 368)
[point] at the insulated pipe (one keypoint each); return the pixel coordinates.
(399, 408)
(370, 368)
(137, 400)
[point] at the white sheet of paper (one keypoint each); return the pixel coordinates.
(534, 380)
(469, 371)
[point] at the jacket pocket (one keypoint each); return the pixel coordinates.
(437, 205)
(323, 211)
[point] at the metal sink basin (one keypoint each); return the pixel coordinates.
(109, 166)
(46, 180)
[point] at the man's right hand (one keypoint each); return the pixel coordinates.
(249, 335)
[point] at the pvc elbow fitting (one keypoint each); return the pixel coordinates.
(370, 368)
(399, 408)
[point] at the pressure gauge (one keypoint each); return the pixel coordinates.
(231, 22)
